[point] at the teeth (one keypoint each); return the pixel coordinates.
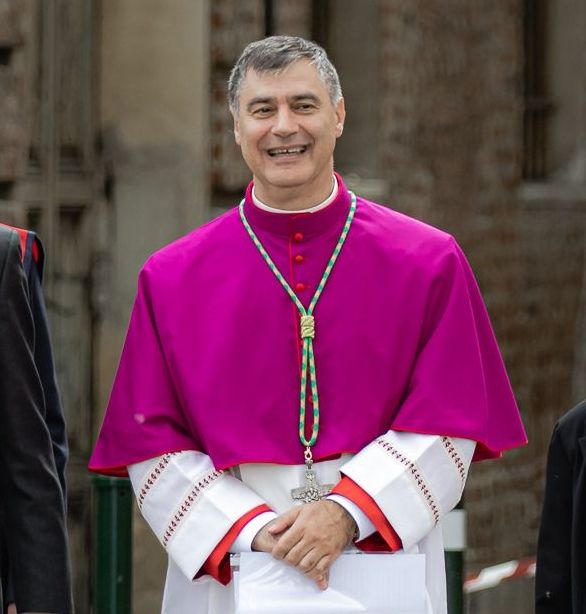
(287, 150)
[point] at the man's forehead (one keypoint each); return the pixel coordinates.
(291, 80)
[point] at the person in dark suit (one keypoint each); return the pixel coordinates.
(32, 257)
(32, 508)
(33, 261)
(560, 579)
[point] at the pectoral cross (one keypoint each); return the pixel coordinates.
(313, 490)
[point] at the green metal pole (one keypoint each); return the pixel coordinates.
(454, 547)
(113, 545)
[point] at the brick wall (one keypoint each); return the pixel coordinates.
(451, 119)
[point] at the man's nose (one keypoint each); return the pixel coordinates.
(285, 123)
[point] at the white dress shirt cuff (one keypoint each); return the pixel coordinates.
(243, 543)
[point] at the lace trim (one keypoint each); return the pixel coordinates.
(153, 476)
(190, 500)
(456, 458)
(415, 474)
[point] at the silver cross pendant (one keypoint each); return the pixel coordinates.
(312, 491)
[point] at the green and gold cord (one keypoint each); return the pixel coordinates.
(307, 321)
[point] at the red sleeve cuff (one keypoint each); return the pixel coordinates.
(217, 564)
(386, 537)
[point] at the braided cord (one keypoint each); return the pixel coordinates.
(307, 321)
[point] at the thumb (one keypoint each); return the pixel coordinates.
(283, 522)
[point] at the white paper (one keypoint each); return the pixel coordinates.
(373, 583)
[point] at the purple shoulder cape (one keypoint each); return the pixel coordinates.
(211, 358)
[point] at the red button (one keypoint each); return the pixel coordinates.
(299, 258)
(298, 236)
(299, 287)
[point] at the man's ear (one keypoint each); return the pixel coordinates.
(236, 129)
(340, 109)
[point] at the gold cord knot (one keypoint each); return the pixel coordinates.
(307, 327)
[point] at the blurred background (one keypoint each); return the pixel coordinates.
(115, 139)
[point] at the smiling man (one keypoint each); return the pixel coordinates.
(307, 373)
(286, 124)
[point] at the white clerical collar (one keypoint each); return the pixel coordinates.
(313, 209)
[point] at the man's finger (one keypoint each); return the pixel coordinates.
(323, 581)
(307, 563)
(263, 541)
(286, 542)
(284, 521)
(321, 568)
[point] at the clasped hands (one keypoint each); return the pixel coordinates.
(309, 537)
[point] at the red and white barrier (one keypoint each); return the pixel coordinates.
(489, 577)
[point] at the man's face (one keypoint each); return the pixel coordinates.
(287, 127)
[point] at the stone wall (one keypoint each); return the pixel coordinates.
(154, 127)
(14, 134)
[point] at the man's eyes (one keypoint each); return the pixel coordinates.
(301, 107)
(262, 111)
(304, 106)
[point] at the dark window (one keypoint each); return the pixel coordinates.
(319, 22)
(5, 189)
(269, 17)
(5, 55)
(537, 105)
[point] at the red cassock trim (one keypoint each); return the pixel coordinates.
(217, 564)
(386, 538)
(35, 251)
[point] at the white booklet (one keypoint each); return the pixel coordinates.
(373, 583)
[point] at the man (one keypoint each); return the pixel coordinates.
(561, 560)
(33, 262)
(306, 340)
(32, 257)
(31, 507)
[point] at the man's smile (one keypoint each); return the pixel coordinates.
(291, 150)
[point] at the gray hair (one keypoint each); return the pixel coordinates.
(274, 53)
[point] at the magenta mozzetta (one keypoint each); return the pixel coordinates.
(212, 357)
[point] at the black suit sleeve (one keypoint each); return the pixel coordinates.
(30, 496)
(45, 366)
(553, 581)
